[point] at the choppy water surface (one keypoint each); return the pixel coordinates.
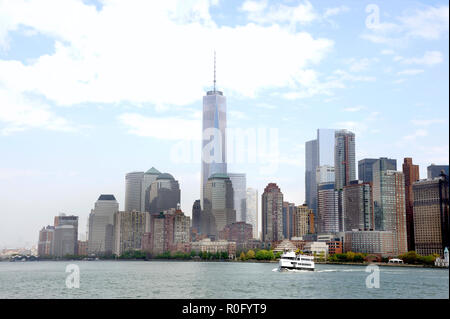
(162, 279)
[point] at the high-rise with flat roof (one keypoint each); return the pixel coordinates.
(327, 208)
(133, 183)
(389, 204)
(365, 167)
(101, 225)
(318, 152)
(63, 219)
(252, 211)
(219, 202)
(196, 216)
(431, 215)
(238, 181)
(411, 174)
(358, 206)
(129, 227)
(434, 170)
(45, 244)
(272, 213)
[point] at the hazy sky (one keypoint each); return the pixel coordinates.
(91, 90)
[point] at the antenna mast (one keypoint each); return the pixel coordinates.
(214, 70)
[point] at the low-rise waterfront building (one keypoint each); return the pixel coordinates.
(370, 242)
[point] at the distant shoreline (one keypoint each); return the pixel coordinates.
(248, 261)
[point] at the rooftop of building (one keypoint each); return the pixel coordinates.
(165, 176)
(106, 197)
(152, 171)
(218, 175)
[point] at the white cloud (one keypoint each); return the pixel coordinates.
(165, 128)
(19, 113)
(261, 12)
(335, 11)
(429, 23)
(358, 65)
(354, 109)
(410, 72)
(428, 122)
(429, 58)
(416, 134)
(387, 52)
(160, 53)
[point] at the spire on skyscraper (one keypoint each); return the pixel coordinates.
(214, 70)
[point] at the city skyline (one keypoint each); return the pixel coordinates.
(63, 148)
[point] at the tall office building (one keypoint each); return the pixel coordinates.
(129, 227)
(434, 170)
(213, 136)
(411, 174)
(318, 152)
(71, 220)
(64, 243)
(358, 206)
(431, 215)
(365, 167)
(169, 230)
(252, 211)
(311, 163)
(289, 210)
(101, 225)
(238, 181)
(45, 244)
(272, 213)
(344, 158)
(196, 216)
(325, 174)
(301, 221)
(389, 204)
(133, 183)
(147, 179)
(164, 193)
(219, 202)
(327, 208)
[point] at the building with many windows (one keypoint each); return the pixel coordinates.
(129, 228)
(358, 206)
(45, 243)
(101, 225)
(147, 179)
(365, 167)
(133, 191)
(164, 193)
(252, 211)
(389, 205)
(411, 174)
(327, 208)
(238, 181)
(370, 242)
(272, 213)
(431, 215)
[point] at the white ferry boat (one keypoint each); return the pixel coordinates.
(290, 261)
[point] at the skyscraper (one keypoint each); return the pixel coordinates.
(213, 135)
(327, 208)
(272, 213)
(164, 193)
(301, 221)
(238, 181)
(147, 179)
(64, 243)
(318, 152)
(389, 204)
(365, 167)
(45, 244)
(431, 215)
(129, 227)
(196, 216)
(133, 185)
(101, 225)
(62, 220)
(344, 158)
(252, 211)
(358, 206)
(219, 202)
(289, 210)
(311, 163)
(434, 170)
(411, 174)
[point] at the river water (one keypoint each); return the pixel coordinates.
(179, 279)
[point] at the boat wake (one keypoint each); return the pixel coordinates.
(290, 270)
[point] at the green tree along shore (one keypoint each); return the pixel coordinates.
(411, 257)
